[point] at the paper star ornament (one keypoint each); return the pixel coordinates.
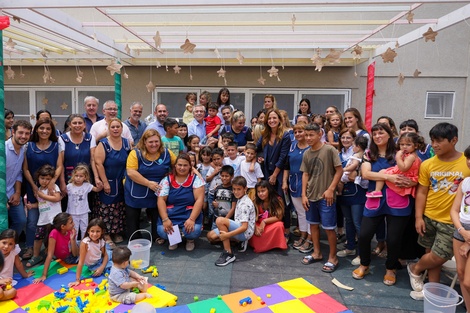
(401, 79)
(128, 49)
(125, 75)
(188, 47)
(430, 35)
(158, 40)
(389, 55)
(177, 69)
(46, 76)
(114, 68)
(10, 73)
(319, 65)
(150, 86)
(221, 72)
(409, 17)
(334, 56)
(416, 73)
(240, 58)
(273, 71)
(316, 57)
(17, 19)
(357, 52)
(22, 75)
(261, 80)
(79, 79)
(44, 53)
(293, 19)
(45, 101)
(10, 44)
(33, 117)
(158, 64)
(64, 106)
(217, 54)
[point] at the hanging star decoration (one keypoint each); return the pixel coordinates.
(240, 58)
(166, 67)
(217, 54)
(409, 17)
(17, 19)
(293, 19)
(33, 117)
(401, 79)
(430, 35)
(389, 55)
(416, 73)
(177, 69)
(22, 75)
(44, 52)
(261, 80)
(78, 79)
(10, 73)
(114, 68)
(128, 49)
(333, 56)
(221, 72)
(47, 75)
(357, 52)
(188, 47)
(125, 75)
(158, 42)
(64, 106)
(319, 65)
(274, 72)
(10, 45)
(150, 86)
(158, 65)
(45, 101)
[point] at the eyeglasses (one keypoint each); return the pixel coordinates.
(111, 109)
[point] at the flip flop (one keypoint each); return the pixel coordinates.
(33, 261)
(329, 267)
(309, 259)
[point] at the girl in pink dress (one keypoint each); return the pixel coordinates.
(408, 164)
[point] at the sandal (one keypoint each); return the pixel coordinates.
(378, 249)
(307, 247)
(298, 243)
(309, 259)
(118, 238)
(287, 236)
(27, 254)
(329, 267)
(296, 232)
(160, 241)
(390, 279)
(359, 272)
(33, 261)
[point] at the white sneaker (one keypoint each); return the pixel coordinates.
(416, 281)
(417, 295)
(356, 261)
(346, 252)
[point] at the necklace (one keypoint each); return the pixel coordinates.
(77, 146)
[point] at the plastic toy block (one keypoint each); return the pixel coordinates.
(148, 269)
(8, 286)
(44, 304)
(155, 273)
(196, 298)
(268, 295)
(219, 297)
(245, 301)
(62, 270)
(160, 286)
(136, 263)
(212, 310)
(62, 309)
(89, 280)
(59, 295)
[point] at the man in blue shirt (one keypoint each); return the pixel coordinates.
(14, 173)
(91, 111)
(161, 113)
(136, 126)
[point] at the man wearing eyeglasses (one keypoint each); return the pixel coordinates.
(100, 129)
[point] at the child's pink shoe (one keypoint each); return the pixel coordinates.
(374, 194)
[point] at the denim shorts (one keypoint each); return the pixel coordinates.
(458, 236)
(320, 213)
(233, 225)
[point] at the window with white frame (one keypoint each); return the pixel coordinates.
(439, 104)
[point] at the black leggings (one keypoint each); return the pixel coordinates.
(395, 228)
(133, 220)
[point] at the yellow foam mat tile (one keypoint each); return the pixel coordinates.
(294, 305)
(299, 288)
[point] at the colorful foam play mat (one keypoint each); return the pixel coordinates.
(296, 295)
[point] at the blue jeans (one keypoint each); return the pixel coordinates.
(31, 224)
(353, 218)
(17, 218)
(210, 207)
(191, 236)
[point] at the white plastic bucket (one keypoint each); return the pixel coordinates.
(439, 298)
(140, 249)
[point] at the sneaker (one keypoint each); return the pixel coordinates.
(225, 258)
(340, 238)
(189, 245)
(416, 281)
(242, 245)
(356, 261)
(346, 252)
(173, 247)
(417, 295)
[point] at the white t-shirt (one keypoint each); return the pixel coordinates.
(78, 198)
(7, 271)
(251, 177)
(216, 181)
(465, 204)
(235, 163)
(245, 212)
(48, 210)
(93, 253)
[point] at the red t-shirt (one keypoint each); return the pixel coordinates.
(211, 123)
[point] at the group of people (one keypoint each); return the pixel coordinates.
(240, 182)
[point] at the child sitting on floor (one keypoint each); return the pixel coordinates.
(240, 229)
(122, 280)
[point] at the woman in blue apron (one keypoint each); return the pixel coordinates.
(180, 202)
(110, 159)
(147, 164)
